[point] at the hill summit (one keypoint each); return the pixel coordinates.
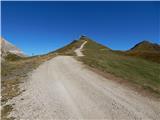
(146, 46)
(146, 50)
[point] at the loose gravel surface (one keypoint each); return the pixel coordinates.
(63, 88)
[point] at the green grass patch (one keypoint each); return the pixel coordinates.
(136, 70)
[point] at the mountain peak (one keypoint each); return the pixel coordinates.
(145, 41)
(7, 47)
(84, 37)
(146, 46)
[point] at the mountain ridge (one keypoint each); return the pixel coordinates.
(146, 50)
(146, 46)
(8, 48)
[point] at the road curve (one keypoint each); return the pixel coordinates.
(63, 88)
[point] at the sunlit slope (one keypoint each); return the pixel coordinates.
(146, 50)
(135, 70)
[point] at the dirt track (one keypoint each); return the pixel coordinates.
(63, 88)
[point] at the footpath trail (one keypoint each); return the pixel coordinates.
(78, 51)
(63, 88)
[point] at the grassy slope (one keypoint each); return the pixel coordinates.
(135, 70)
(146, 50)
(146, 46)
(69, 49)
(151, 56)
(12, 57)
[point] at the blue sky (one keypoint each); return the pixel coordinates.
(40, 27)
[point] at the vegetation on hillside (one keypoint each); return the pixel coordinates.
(145, 50)
(69, 49)
(150, 56)
(146, 46)
(135, 70)
(14, 71)
(12, 57)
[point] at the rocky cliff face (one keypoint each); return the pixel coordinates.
(9, 48)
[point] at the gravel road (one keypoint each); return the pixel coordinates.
(63, 88)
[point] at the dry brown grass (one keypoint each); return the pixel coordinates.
(13, 73)
(151, 56)
(145, 50)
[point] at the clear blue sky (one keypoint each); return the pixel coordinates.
(40, 27)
